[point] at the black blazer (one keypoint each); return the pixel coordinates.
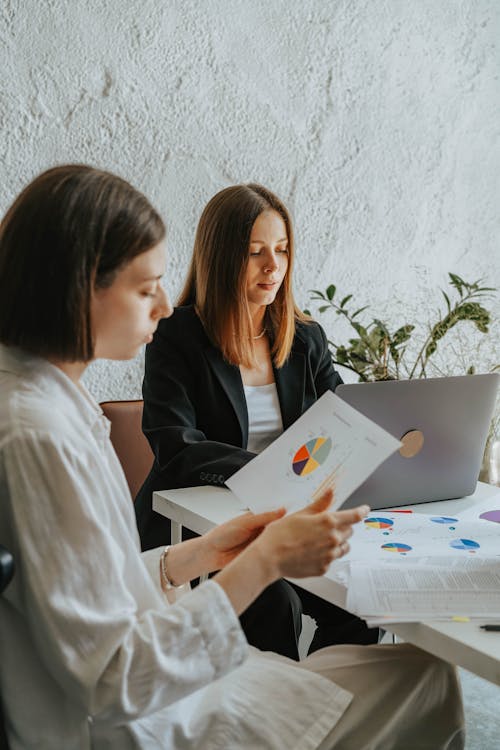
(195, 414)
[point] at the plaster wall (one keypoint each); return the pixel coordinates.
(377, 121)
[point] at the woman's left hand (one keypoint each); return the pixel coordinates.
(225, 542)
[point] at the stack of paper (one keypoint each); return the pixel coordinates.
(412, 567)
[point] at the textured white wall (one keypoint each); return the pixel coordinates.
(378, 122)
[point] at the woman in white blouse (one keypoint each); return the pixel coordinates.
(92, 652)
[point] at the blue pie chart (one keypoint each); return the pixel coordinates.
(464, 544)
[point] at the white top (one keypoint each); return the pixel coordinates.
(264, 416)
(91, 653)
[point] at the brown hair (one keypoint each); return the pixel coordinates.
(215, 282)
(68, 232)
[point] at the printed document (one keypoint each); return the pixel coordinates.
(330, 445)
(419, 592)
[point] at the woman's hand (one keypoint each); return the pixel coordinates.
(225, 542)
(218, 547)
(306, 543)
(299, 545)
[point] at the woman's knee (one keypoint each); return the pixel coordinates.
(274, 621)
(278, 602)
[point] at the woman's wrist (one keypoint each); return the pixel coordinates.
(187, 560)
(265, 560)
(246, 577)
(258, 563)
(166, 580)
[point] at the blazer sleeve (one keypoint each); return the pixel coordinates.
(326, 377)
(184, 455)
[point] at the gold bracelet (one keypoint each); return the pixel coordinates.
(166, 583)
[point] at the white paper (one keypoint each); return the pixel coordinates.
(417, 593)
(406, 536)
(330, 445)
(486, 510)
(407, 567)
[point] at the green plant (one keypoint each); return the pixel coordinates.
(375, 353)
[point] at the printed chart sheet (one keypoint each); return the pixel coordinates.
(330, 445)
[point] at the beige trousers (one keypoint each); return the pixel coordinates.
(404, 698)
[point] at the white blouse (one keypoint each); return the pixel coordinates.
(264, 416)
(91, 653)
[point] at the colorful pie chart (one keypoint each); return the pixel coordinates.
(396, 547)
(379, 523)
(311, 455)
(491, 515)
(464, 544)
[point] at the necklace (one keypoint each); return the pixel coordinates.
(260, 334)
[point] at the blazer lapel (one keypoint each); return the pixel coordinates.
(290, 381)
(230, 379)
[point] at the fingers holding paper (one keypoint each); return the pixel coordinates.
(305, 543)
(298, 545)
(227, 541)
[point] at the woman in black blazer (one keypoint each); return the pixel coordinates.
(237, 325)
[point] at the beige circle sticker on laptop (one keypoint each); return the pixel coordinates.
(413, 441)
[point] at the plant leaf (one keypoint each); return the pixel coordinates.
(457, 282)
(359, 328)
(431, 348)
(341, 355)
(361, 309)
(402, 334)
(330, 292)
(476, 313)
(319, 295)
(382, 326)
(345, 300)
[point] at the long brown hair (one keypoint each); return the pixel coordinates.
(215, 283)
(68, 232)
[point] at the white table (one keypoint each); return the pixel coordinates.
(461, 643)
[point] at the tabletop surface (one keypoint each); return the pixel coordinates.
(462, 643)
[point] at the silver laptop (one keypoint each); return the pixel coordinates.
(443, 424)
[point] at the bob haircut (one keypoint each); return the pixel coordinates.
(215, 283)
(69, 232)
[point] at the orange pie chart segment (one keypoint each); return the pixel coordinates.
(311, 456)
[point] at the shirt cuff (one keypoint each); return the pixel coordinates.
(218, 624)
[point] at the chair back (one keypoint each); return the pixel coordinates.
(6, 573)
(132, 448)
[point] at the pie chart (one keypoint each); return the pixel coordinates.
(311, 455)
(491, 515)
(396, 547)
(443, 519)
(379, 523)
(464, 544)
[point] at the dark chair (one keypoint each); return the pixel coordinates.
(132, 448)
(6, 573)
